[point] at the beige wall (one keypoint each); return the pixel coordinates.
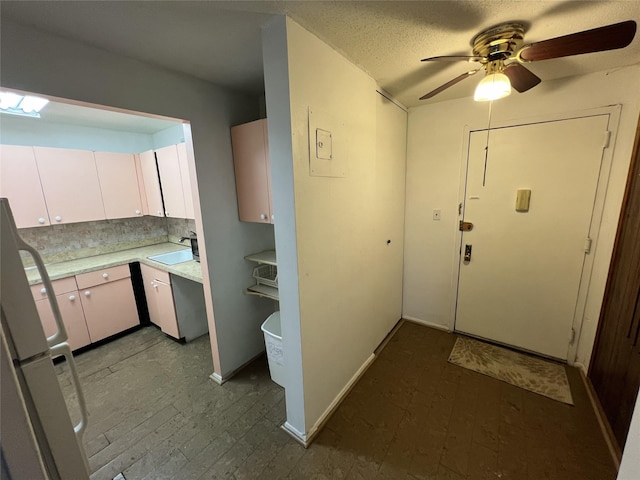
(341, 225)
(434, 159)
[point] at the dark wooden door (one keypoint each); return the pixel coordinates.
(615, 368)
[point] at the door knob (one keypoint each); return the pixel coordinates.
(87, 293)
(58, 218)
(41, 220)
(138, 212)
(105, 275)
(72, 297)
(263, 216)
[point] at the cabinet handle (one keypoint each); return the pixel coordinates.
(41, 220)
(105, 275)
(263, 216)
(273, 217)
(87, 293)
(43, 290)
(166, 213)
(160, 212)
(138, 212)
(58, 218)
(72, 297)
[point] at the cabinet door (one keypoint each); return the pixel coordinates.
(171, 182)
(119, 184)
(20, 183)
(70, 184)
(149, 283)
(251, 163)
(109, 308)
(151, 183)
(168, 319)
(186, 181)
(72, 317)
(157, 289)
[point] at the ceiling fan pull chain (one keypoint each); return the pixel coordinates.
(486, 147)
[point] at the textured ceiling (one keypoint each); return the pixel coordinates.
(220, 41)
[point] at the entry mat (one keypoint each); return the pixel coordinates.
(524, 371)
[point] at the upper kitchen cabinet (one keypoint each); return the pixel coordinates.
(186, 180)
(171, 181)
(70, 184)
(119, 184)
(151, 183)
(20, 183)
(253, 175)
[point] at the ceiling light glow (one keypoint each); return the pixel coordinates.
(16, 104)
(492, 87)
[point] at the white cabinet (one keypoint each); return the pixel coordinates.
(171, 182)
(108, 301)
(265, 275)
(66, 293)
(70, 184)
(20, 183)
(153, 196)
(186, 180)
(252, 171)
(167, 184)
(119, 184)
(157, 289)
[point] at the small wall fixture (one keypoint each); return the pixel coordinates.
(494, 85)
(26, 105)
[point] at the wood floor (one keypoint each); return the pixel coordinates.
(154, 414)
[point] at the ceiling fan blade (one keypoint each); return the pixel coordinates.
(448, 84)
(453, 58)
(521, 78)
(610, 37)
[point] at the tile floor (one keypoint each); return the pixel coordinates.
(155, 415)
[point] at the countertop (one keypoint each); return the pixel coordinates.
(190, 270)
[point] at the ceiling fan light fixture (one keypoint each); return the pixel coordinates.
(492, 87)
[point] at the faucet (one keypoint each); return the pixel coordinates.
(192, 235)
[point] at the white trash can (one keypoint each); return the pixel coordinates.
(273, 343)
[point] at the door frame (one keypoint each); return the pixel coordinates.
(613, 111)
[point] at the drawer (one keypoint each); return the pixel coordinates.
(64, 285)
(162, 276)
(100, 277)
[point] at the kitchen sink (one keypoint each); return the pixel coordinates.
(173, 258)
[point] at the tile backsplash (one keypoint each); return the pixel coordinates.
(180, 227)
(58, 243)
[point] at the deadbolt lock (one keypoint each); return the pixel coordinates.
(465, 226)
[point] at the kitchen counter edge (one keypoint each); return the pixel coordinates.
(190, 270)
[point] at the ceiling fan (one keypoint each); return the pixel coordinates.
(500, 52)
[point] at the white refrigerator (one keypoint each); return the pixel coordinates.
(37, 437)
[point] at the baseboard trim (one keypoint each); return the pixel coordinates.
(338, 400)
(427, 323)
(296, 434)
(605, 427)
(220, 379)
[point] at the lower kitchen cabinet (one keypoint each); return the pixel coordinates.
(157, 289)
(70, 309)
(108, 301)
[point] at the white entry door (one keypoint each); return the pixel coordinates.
(520, 285)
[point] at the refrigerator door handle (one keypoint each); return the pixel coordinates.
(61, 333)
(64, 350)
